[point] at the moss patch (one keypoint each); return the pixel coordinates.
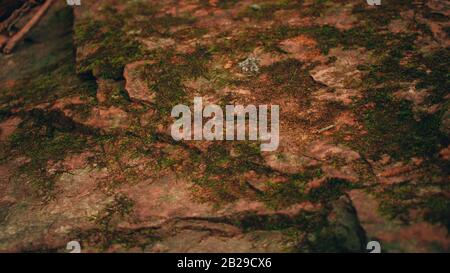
(43, 137)
(114, 47)
(380, 16)
(291, 77)
(166, 76)
(393, 128)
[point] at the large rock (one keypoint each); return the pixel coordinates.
(393, 235)
(343, 73)
(347, 227)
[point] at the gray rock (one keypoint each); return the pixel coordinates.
(251, 64)
(347, 226)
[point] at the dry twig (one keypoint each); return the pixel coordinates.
(12, 42)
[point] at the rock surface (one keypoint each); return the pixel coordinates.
(136, 87)
(86, 151)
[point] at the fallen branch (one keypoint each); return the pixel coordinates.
(7, 7)
(3, 40)
(12, 42)
(326, 128)
(16, 16)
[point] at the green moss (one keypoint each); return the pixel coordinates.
(225, 164)
(195, 64)
(166, 162)
(217, 160)
(114, 52)
(292, 77)
(447, 31)
(395, 201)
(327, 37)
(168, 21)
(114, 48)
(435, 16)
(140, 8)
(167, 83)
(381, 15)
(331, 190)
(270, 38)
(388, 69)
(87, 31)
(166, 76)
(126, 239)
(45, 136)
(309, 231)
(118, 96)
(189, 33)
(146, 19)
(438, 210)
(438, 77)
(246, 157)
(254, 37)
(217, 191)
(121, 206)
(316, 8)
(295, 190)
(393, 128)
(325, 240)
(82, 111)
(108, 234)
(251, 222)
(233, 45)
(161, 26)
(281, 195)
(393, 210)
